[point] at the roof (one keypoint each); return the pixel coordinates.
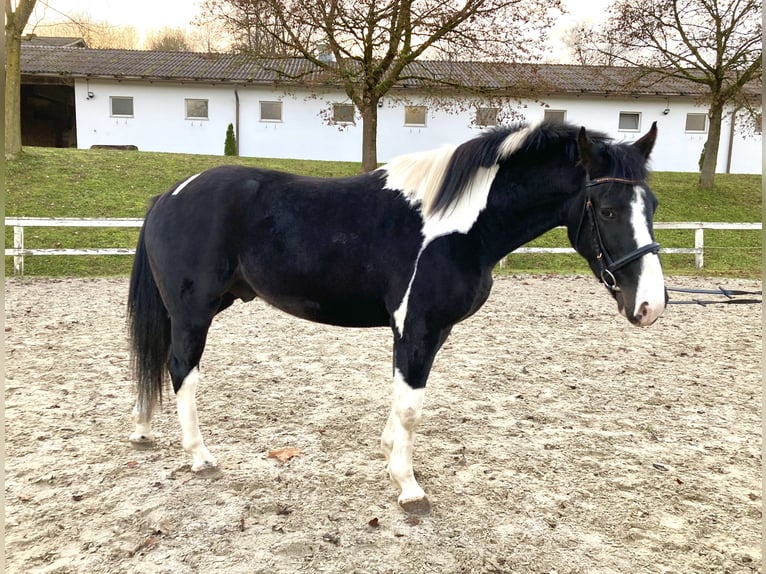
(60, 41)
(242, 69)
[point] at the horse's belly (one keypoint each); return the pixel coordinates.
(342, 313)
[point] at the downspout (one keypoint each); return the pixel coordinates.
(731, 140)
(236, 119)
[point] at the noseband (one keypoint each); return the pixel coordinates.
(607, 265)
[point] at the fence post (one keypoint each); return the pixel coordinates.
(699, 247)
(18, 243)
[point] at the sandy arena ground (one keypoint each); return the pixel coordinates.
(557, 438)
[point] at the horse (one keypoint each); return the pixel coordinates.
(410, 246)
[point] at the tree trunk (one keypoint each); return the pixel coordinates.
(710, 159)
(369, 113)
(15, 20)
(12, 94)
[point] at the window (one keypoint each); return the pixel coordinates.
(271, 111)
(487, 116)
(696, 123)
(415, 115)
(121, 107)
(343, 113)
(196, 109)
(630, 121)
(556, 116)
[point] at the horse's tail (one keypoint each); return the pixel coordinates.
(148, 331)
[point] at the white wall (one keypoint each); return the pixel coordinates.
(676, 149)
(747, 149)
(159, 124)
(303, 132)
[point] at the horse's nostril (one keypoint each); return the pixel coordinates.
(643, 310)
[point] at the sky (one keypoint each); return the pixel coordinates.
(180, 13)
(164, 13)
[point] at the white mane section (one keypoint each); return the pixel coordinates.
(419, 175)
(512, 143)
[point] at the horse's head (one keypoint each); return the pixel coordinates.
(610, 225)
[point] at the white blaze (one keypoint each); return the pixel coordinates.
(651, 285)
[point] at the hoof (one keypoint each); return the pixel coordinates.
(208, 471)
(142, 443)
(417, 507)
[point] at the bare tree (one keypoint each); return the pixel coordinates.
(169, 40)
(209, 34)
(580, 39)
(715, 43)
(368, 46)
(251, 25)
(96, 34)
(16, 19)
(104, 35)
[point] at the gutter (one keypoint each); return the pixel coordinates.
(731, 140)
(236, 119)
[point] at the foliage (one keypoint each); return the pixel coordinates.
(46, 182)
(230, 145)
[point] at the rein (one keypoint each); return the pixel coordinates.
(730, 295)
(607, 265)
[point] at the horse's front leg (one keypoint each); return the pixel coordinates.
(397, 443)
(412, 363)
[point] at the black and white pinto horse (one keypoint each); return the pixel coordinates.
(410, 246)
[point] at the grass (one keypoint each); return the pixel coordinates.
(46, 182)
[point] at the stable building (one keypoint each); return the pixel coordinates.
(74, 96)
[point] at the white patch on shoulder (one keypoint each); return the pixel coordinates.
(401, 313)
(186, 182)
(419, 176)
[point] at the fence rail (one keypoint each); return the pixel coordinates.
(18, 252)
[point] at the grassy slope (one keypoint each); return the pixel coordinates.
(48, 182)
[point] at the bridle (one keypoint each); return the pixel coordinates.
(607, 265)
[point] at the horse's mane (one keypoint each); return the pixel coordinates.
(438, 179)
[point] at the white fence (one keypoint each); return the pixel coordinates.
(18, 252)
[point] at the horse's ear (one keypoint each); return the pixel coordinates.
(584, 149)
(646, 143)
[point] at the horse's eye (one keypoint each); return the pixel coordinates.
(607, 213)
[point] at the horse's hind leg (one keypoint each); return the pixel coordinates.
(186, 351)
(142, 437)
